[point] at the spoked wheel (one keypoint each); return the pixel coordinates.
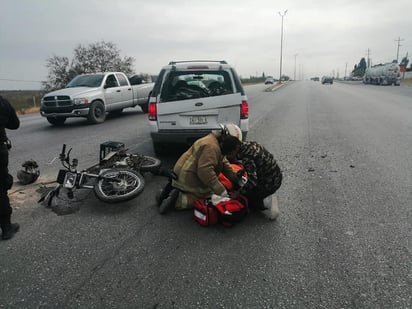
(118, 185)
(150, 164)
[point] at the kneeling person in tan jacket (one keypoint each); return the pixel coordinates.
(196, 171)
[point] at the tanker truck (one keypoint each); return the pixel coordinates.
(383, 74)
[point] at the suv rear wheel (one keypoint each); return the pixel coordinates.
(158, 148)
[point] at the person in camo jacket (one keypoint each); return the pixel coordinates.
(264, 174)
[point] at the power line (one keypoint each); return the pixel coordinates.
(21, 80)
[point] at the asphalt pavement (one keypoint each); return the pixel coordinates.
(343, 238)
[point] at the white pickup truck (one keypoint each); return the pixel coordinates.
(92, 95)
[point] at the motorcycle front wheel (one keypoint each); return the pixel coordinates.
(118, 185)
(150, 164)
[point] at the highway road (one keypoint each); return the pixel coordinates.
(343, 238)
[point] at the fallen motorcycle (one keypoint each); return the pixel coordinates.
(116, 178)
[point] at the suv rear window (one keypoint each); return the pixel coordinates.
(184, 85)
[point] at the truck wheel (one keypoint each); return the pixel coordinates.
(97, 113)
(56, 121)
(145, 108)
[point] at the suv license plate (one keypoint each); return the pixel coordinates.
(198, 120)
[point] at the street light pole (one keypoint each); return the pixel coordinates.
(346, 68)
(281, 45)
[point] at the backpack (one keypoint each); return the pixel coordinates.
(227, 212)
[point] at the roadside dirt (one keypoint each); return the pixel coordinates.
(23, 196)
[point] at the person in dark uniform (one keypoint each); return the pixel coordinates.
(8, 120)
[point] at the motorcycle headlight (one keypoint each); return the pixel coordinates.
(69, 180)
(80, 101)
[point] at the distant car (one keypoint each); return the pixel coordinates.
(327, 80)
(192, 98)
(269, 80)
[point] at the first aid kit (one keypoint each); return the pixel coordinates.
(227, 212)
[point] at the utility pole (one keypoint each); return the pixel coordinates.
(346, 68)
(399, 44)
(294, 74)
(281, 45)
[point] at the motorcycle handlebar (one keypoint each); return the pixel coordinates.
(62, 155)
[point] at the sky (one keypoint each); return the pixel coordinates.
(319, 37)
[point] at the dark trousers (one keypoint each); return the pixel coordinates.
(255, 198)
(260, 192)
(5, 179)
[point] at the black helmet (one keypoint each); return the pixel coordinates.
(30, 172)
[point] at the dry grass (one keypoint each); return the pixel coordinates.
(406, 81)
(28, 110)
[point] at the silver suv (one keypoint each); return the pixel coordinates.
(191, 98)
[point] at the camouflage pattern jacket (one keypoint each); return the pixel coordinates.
(263, 171)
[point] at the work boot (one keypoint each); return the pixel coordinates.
(9, 230)
(169, 202)
(272, 208)
(164, 193)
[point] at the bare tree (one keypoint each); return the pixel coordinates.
(60, 73)
(96, 57)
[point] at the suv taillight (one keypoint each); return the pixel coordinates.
(152, 111)
(244, 110)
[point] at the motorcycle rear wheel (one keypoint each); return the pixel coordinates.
(150, 164)
(118, 185)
